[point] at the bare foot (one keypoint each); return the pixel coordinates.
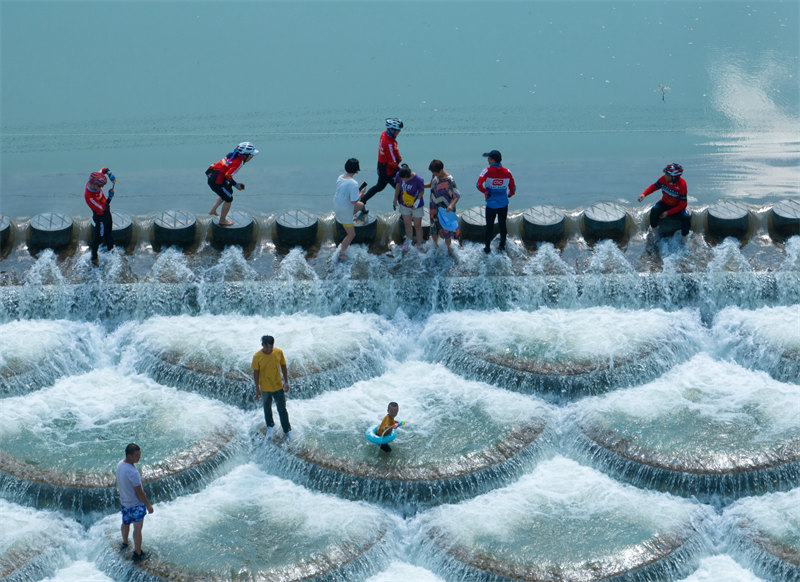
(226, 223)
(213, 213)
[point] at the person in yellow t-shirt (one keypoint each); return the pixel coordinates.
(268, 365)
(387, 424)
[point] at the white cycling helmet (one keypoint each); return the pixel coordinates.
(394, 123)
(247, 149)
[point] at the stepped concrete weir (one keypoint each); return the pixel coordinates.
(188, 437)
(605, 220)
(543, 223)
(248, 525)
(728, 218)
(235, 386)
(33, 353)
(86, 492)
(34, 543)
(297, 227)
(786, 216)
(212, 354)
(434, 458)
(675, 434)
(521, 351)
(239, 233)
(174, 227)
(765, 339)
(762, 532)
(50, 230)
(563, 522)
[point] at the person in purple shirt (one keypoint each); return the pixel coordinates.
(408, 194)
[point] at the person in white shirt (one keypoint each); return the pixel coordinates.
(346, 202)
(133, 499)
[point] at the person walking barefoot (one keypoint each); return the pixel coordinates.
(221, 182)
(133, 499)
(346, 203)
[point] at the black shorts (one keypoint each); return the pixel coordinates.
(224, 190)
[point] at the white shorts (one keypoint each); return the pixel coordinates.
(414, 212)
(344, 215)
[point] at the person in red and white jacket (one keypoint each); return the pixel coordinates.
(389, 159)
(497, 185)
(101, 213)
(674, 198)
(220, 179)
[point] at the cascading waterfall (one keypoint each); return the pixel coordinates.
(201, 535)
(464, 439)
(57, 444)
(706, 428)
(570, 416)
(385, 284)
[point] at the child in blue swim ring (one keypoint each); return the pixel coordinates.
(386, 431)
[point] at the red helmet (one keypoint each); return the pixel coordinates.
(673, 169)
(98, 178)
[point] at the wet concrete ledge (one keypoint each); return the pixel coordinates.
(27, 563)
(764, 555)
(83, 493)
(555, 382)
(411, 489)
(24, 377)
(731, 479)
(782, 364)
(661, 558)
(604, 219)
(347, 562)
(116, 302)
(235, 387)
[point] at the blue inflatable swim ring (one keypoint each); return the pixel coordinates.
(373, 437)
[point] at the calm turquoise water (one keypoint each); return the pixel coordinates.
(568, 91)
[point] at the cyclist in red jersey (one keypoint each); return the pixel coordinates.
(674, 198)
(220, 179)
(389, 159)
(101, 212)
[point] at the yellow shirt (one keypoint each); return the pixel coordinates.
(269, 369)
(385, 423)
